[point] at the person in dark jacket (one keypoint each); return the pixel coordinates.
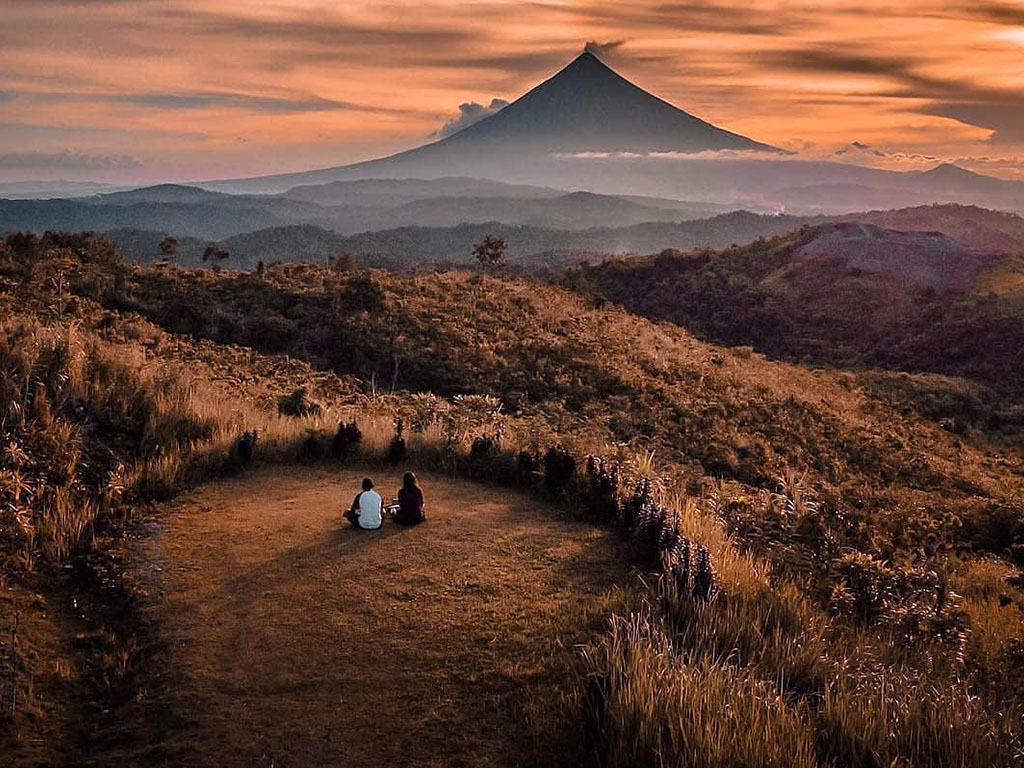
(410, 502)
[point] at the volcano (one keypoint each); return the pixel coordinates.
(585, 108)
(588, 107)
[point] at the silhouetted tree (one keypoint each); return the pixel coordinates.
(169, 246)
(346, 262)
(490, 251)
(215, 252)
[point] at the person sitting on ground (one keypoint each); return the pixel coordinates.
(410, 502)
(366, 508)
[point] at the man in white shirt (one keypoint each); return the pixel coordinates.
(366, 508)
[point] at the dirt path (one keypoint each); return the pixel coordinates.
(296, 640)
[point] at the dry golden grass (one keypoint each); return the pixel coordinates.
(829, 477)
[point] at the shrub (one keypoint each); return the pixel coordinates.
(603, 488)
(528, 468)
(637, 505)
(346, 439)
(704, 581)
(312, 448)
(485, 447)
(397, 447)
(559, 469)
(490, 252)
(298, 404)
(647, 532)
(865, 589)
(362, 294)
(245, 446)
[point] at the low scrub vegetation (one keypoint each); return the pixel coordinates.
(825, 577)
(824, 311)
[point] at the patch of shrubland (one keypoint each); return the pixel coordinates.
(826, 577)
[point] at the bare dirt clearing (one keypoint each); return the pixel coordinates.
(293, 639)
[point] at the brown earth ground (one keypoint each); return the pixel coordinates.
(293, 639)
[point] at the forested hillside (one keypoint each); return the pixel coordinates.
(819, 296)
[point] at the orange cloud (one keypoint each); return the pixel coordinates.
(191, 88)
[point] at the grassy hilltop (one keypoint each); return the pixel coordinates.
(844, 295)
(831, 570)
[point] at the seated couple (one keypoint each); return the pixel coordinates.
(368, 509)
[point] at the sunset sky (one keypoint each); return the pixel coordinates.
(149, 90)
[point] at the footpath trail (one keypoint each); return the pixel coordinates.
(295, 640)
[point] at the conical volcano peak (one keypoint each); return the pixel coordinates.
(589, 107)
(586, 107)
(588, 67)
(587, 59)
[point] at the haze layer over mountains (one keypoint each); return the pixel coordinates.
(588, 128)
(585, 163)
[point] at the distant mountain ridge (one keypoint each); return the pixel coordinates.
(974, 230)
(345, 207)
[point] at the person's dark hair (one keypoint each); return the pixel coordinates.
(367, 484)
(409, 481)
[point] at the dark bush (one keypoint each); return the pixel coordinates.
(362, 294)
(637, 505)
(865, 588)
(397, 448)
(680, 566)
(312, 448)
(603, 488)
(648, 533)
(995, 528)
(484, 447)
(559, 469)
(245, 447)
(346, 439)
(297, 404)
(704, 580)
(528, 468)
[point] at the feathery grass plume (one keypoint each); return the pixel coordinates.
(649, 705)
(604, 478)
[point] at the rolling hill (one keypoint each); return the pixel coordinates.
(840, 559)
(534, 248)
(846, 294)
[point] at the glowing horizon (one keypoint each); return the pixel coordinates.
(168, 90)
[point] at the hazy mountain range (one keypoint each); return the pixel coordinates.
(540, 248)
(194, 212)
(585, 163)
(587, 128)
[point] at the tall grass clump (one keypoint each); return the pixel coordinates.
(651, 705)
(720, 640)
(85, 430)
